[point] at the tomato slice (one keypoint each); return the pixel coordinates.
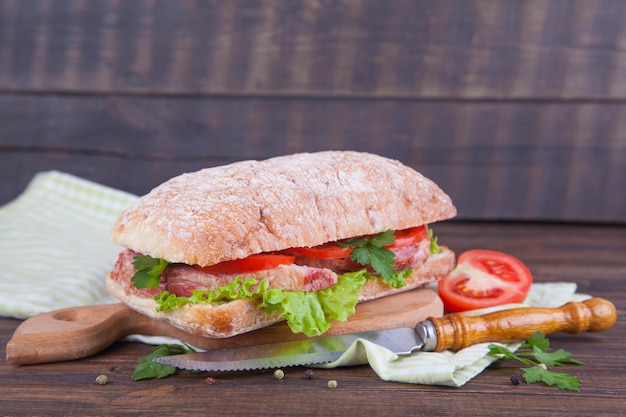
(250, 264)
(484, 278)
(408, 237)
(332, 250)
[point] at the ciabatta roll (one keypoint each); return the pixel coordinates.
(296, 210)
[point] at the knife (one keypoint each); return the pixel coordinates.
(453, 331)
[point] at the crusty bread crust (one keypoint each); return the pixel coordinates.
(249, 207)
(241, 316)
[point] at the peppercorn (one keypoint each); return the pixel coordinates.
(102, 379)
(332, 383)
(279, 374)
(516, 379)
(309, 374)
(210, 381)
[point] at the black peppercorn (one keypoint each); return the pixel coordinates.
(516, 379)
(308, 374)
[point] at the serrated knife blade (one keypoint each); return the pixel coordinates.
(454, 332)
(308, 351)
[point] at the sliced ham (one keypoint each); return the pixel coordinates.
(306, 274)
(182, 279)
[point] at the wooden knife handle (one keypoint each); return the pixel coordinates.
(458, 331)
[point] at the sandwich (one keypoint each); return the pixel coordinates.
(302, 238)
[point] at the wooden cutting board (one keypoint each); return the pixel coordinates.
(77, 332)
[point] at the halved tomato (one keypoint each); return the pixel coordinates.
(332, 250)
(250, 264)
(484, 278)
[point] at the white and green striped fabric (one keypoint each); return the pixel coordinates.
(55, 252)
(55, 249)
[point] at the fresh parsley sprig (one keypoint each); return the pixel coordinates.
(149, 271)
(372, 251)
(537, 347)
(148, 369)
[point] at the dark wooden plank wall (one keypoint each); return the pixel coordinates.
(516, 108)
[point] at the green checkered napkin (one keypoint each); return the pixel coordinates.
(55, 252)
(54, 244)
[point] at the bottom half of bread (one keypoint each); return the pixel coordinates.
(244, 315)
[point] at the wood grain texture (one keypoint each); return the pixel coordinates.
(512, 160)
(458, 331)
(591, 256)
(446, 49)
(515, 108)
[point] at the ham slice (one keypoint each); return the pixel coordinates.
(181, 279)
(306, 274)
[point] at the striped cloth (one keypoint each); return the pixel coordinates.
(55, 252)
(54, 244)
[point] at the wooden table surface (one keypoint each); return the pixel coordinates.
(593, 256)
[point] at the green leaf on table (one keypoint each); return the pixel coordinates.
(560, 380)
(536, 347)
(148, 369)
(538, 340)
(556, 358)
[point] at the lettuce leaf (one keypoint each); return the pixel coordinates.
(312, 312)
(434, 246)
(308, 312)
(235, 290)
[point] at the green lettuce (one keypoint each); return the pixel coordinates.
(308, 312)
(311, 312)
(434, 246)
(235, 290)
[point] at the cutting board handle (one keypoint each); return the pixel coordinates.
(72, 333)
(458, 331)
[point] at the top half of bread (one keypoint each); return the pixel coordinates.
(248, 207)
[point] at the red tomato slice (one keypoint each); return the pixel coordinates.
(484, 278)
(408, 237)
(250, 264)
(332, 250)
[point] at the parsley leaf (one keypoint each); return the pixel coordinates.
(380, 259)
(147, 368)
(372, 251)
(538, 340)
(538, 344)
(537, 347)
(149, 271)
(556, 358)
(562, 381)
